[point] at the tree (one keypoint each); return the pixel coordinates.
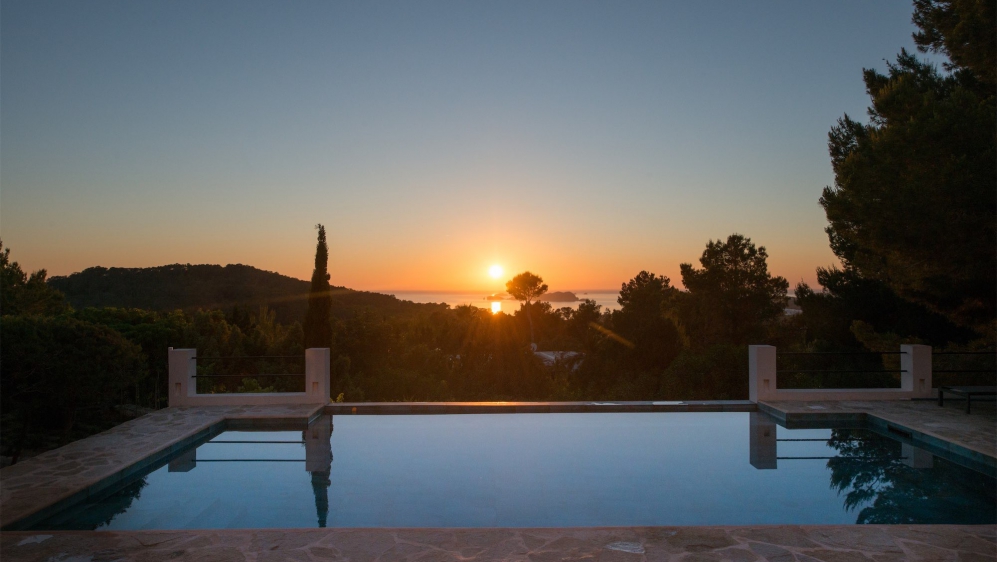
(582, 323)
(733, 295)
(848, 297)
(963, 30)
(317, 327)
(21, 294)
(914, 200)
(526, 287)
(646, 302)
(59, 372)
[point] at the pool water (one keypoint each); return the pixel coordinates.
(543, 470)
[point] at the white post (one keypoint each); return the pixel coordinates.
(317, 375)
(915, 362)
(183, 367)
(761, 372)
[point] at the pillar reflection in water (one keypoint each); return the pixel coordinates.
(185, 462)
(762, 441)
(915, 457)
(318, 461)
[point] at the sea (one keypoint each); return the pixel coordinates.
(604, 298)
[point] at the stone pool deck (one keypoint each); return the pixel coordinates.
(783, 543)
(33, 486)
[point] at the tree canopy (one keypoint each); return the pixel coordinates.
(961, 29)
(914, 200)
(643, 320)
(526, 287)
(21, 294)
(733, 293)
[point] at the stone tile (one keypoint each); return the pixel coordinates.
(867, 538)
(919, 551)
(772, 552)
(943, 537)
(781, 535)
(974, 557)
(835, 555)
(699, 539)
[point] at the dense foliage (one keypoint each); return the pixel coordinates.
(914, 202)
(59, 371)
(21, 294)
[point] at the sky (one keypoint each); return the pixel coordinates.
(583, 141)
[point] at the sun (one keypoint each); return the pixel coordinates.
(495, 271)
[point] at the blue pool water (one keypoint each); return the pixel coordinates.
(543, 470)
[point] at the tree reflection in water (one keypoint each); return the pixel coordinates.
(872, 471)
(92, 515)
(320, 485)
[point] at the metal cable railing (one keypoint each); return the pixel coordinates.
(244, 362)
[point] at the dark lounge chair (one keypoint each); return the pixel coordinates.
(968, 391)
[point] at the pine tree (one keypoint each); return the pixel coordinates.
(318, 331)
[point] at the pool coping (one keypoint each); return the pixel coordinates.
(616, 544)
(35, 507)
(604, 406)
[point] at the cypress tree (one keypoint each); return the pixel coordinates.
(318, 331)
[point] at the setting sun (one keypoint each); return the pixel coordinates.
(495, 271)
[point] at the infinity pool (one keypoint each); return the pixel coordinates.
(543, 470)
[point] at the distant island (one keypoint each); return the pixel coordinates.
(560, 296)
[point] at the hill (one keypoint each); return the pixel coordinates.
(190, 287)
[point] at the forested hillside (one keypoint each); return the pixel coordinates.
(192, 287)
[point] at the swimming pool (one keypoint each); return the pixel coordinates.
(542, 470)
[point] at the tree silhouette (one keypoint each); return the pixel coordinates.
(526, 287)
(643, 320)
(21, 294)
(733, 294)
(318, 331)
(914, 195)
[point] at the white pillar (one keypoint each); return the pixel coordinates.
(761, 372)
(183, 367)
(317, 375)
(915, 362)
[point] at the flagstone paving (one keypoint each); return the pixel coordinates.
(785, 543)
(41, 481)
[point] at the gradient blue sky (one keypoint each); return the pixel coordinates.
(584, 141)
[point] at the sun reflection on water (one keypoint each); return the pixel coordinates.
(496, 307)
